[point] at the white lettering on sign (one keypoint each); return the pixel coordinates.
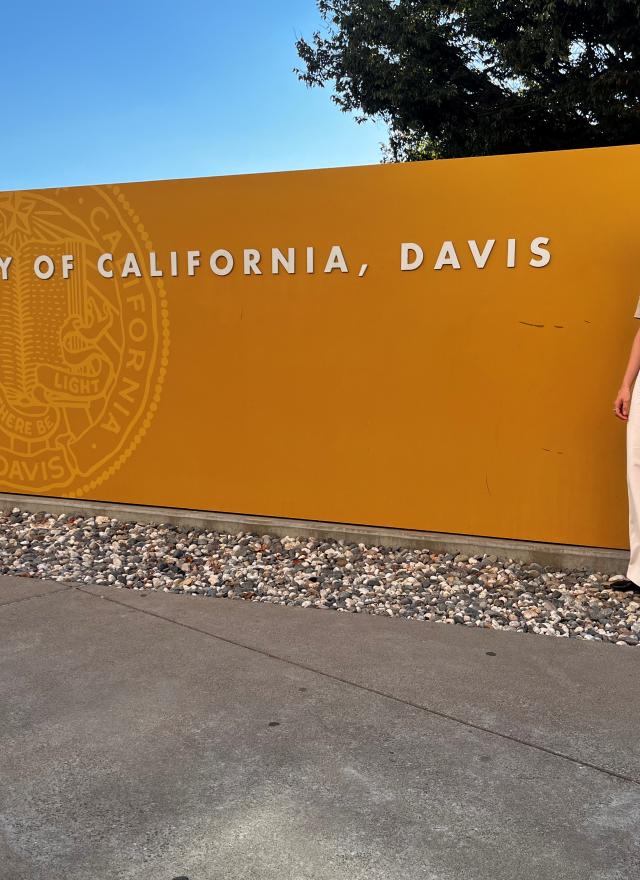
(44, 267)
(441, 256)
(542, 253)
(482, 253)
(4, 267)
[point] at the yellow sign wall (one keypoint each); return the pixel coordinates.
(431, 346)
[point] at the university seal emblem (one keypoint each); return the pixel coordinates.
(82, 357)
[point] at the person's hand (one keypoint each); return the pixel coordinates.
(621, 406)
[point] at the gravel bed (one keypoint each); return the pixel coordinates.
(487, 591)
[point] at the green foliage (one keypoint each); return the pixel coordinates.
(481, 77)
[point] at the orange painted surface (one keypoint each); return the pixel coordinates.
(472, 400)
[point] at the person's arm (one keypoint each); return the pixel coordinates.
(623, 400)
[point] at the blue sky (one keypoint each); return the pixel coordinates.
(143, 90)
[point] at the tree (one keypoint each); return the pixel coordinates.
(482, 76)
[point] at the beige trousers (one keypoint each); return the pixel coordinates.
(633, 483)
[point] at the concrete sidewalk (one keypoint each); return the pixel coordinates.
(144, 737)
